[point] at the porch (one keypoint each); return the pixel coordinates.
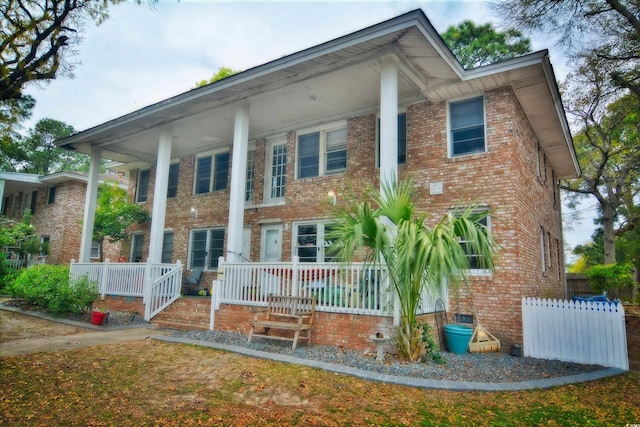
(354, 302)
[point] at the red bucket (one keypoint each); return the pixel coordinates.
(97, 317)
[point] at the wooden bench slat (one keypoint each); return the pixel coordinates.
(300, 311)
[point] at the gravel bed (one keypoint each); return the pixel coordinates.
(478, 367)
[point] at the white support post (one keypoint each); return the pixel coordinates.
(238, 182)
(388, 120)
(295, 291)
(104, 278)
(90, 201)
(2, 194)
(160, 196)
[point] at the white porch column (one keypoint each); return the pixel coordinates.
(160, 196)
(90, 201)
(238, 182)
(2, 194)
(388, 120)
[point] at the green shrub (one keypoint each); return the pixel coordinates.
(48, 286)
(7, 275)
(610, 278)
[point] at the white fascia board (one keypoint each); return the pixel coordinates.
(27, 178)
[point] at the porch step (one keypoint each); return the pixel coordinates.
(185, 313)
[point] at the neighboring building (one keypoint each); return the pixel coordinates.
(249, 165)
(57, 203)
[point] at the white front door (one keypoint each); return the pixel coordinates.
(271, 243)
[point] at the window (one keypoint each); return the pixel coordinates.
(251, 173)
(45, 241)
(554, 183)
(51, 196)
(322, 153)
(206, 247)
(277, 171)
(313, 243)
(475, 260)
(142, 192)
(172, 186)
(402, 140)
(167, 248)
(95, 249)
(212, 172)
(34, 201)
(137, 242)
(467, 127)
(543, 250)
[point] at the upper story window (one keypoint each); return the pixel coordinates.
(142, 191)
(402, 140)
(322, 153)
(174, 173)
(251, 173)
(51, 196)
(212, 172)
(466, 121)
(275, 171)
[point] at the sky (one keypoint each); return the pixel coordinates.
(142, 54)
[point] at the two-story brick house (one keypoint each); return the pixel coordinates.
(247, 167)
(56, 202)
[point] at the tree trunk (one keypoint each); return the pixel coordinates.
(608, 215)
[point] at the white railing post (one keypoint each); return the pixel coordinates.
(104, 278)
(295, 260)
(148, 280)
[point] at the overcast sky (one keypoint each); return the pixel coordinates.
(142, 55)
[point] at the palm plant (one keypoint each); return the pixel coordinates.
(419, 258)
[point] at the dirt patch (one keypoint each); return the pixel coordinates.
(16, 326)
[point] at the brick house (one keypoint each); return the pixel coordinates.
(247, 167)
(56, 202)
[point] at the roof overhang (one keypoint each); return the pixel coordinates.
(331, 81)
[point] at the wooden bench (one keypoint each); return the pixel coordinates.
(288, 314)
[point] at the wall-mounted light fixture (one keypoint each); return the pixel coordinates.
(331, 197)
(194, 213)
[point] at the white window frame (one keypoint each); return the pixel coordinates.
(449, 129)
(320, 237)
(211, 154)
(208, 256)
(322, 150)
(480, 271)
(268, 171)
(250, 177)
(95, 249)
(138, 185)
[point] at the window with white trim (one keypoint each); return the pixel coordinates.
(142, 189)
(172, 185)
(205, 247)
(275, 171)
(167, 247)
(475, 259)
(543, 249)
(312, 242)
(251, 173)
(466, 122)
(95, 249)
(322, 153)
(212, 172)
(137, 243)
(402, 140)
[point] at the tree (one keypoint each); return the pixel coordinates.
(607, 30)
(37, 36)
(475, 46)
(419, 258)
(115, 214)
(223, 72)
(607, 147)
(37, 153)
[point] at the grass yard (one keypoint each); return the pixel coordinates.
(154, 383)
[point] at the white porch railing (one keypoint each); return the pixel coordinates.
(580, 332)
(158, 284)
(17, 264)
(357, 288)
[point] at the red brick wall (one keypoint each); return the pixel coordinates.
(504, 179)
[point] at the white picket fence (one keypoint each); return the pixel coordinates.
(579, 332)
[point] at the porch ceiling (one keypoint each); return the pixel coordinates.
(331, 81)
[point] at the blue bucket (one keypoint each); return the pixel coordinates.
(457, 337)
